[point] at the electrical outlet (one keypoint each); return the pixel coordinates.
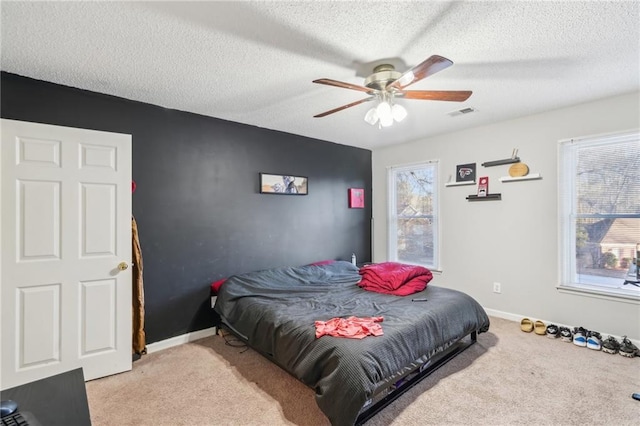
(497, 288)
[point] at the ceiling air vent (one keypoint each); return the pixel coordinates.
(462, 111)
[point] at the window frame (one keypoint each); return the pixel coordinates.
(567, 216)
(392, 216)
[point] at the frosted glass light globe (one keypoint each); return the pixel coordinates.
(386, 121)
(383, 110)
(371, 116)
(398, 112)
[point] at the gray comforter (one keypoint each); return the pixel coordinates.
(275, 311)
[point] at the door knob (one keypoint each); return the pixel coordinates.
(123, 266)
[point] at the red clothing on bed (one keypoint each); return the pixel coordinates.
(394, 278)
(351, 327)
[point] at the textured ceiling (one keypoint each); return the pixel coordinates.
(253, 62)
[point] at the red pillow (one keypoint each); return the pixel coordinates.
(215, 286)
(322, 262)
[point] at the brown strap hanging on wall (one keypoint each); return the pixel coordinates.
(139, 338)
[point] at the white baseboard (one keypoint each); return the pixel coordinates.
(179, 340)
(504, 315)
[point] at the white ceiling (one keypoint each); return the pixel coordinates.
(253, 62)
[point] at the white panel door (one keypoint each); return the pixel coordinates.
(65, 236)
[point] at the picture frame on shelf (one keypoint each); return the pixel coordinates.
(466, 172)
(483, 186)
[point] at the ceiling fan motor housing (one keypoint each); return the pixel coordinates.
(382, 75)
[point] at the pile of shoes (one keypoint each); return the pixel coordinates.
(580, 336)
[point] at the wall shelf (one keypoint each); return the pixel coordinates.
(467, 182)
(501, 162)
(487, 197)
(531, 176)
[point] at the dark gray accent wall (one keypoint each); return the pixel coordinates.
(200, 213)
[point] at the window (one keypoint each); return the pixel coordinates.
(600, 214)
(413, 214)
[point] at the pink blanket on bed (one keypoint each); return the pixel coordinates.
(351, 327)
(394, 278)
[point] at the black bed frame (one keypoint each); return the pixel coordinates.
(416, 375)
(434, 363)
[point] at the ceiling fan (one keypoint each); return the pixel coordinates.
(386, 84)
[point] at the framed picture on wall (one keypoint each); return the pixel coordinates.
(283, 184)
(466, 172)
(356, 198)
(483, 186)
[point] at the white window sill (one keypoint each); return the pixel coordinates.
(614, 294)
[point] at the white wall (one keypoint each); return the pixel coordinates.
(513, 241)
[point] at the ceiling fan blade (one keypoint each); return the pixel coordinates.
(428, 67)
(437, 95)
(342, 84)
(323, 114)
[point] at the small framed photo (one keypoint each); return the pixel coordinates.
(483, 186)
(466, 172)
(283, 184)
(356, 198)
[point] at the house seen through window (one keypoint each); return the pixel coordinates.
(600, 214)
(413, 214)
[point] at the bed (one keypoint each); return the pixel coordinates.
(275, 312)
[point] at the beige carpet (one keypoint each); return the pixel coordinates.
(507, 378)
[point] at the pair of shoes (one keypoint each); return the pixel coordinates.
(611, 345)
(594, 340)
(540, 328)
(526, 325)
(627, 348)
(553, 331)
(580, 336)
(565, 334)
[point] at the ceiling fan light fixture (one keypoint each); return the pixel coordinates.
(384, 110)
(398, 112)
(384, 113)
(386, 121)
(371, 116)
